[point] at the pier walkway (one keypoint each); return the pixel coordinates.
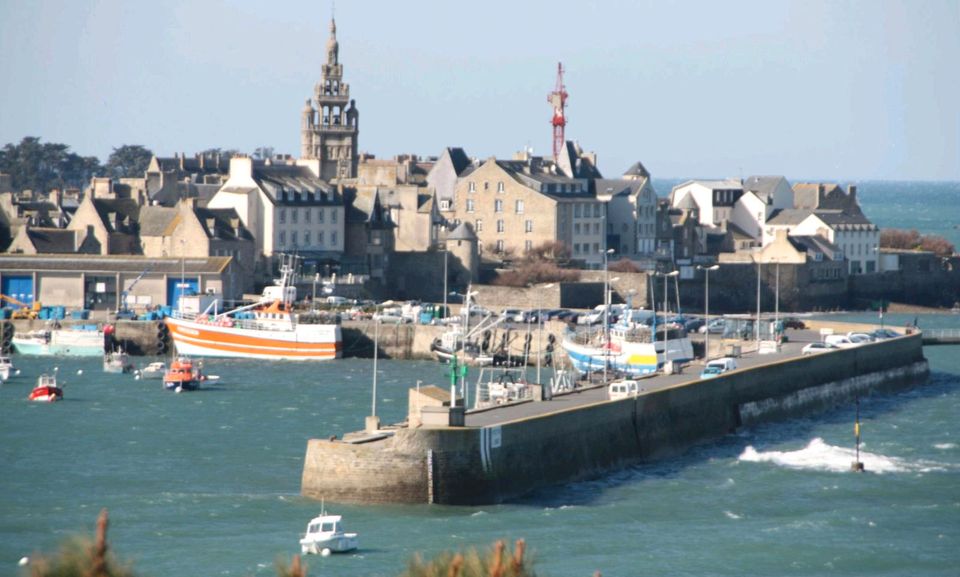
(941, 337)
(592, 394)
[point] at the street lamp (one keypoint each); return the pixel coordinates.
(463, 347)
(373, 422)
(706, 309)
(666, 284)
(606, 308)
(757, 324)
(445, 253)
(540, 327)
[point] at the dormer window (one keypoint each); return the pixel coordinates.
(471, 186)
(444, 204)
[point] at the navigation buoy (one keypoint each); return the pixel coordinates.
(325, 552)
(23, 562)
(857, 465)
(79, 371)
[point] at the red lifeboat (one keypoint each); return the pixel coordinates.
(46, 390)
(183, 375)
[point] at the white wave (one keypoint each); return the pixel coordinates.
(478, 513)
(820, 456)
(945, 446)
(732, 515)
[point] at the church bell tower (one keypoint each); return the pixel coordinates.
(330, 124)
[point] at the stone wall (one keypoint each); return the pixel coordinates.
(492, 464)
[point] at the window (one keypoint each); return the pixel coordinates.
(576, 248)
(283, 238)
(294, 213)
(283, 215)
(469, 205)
(471, 186)
(500, 246)
(500, 187)
(576, 209)
(320, 237)
(528, 245)
(519, 206)
(596, 228)
(479, 225)
(306, 236)
(528, 226)
(293, 238)
(596, 247)
(486, 185)
(306, 215)
(333, 215)
(576, 228)
(596, 210)
(319, 215)
(498, 205)
(333, 237)
(445, 204)
(500, 227)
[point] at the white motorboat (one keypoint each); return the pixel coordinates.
(117, 361)
(6, 368)
(154, 370)
(325, 535)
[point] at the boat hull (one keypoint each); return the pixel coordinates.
(304, 343)
(634, 359)
(46, 394)
(61, 343)
(339, 544)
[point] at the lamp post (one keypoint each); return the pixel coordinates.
(540, 327)
(445, 276)
(757, 324)
(463, 347)
(706, 309)
(373, 422)
(666, 284)
(606, 309)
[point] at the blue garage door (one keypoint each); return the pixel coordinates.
(177, 287)
(18, 287)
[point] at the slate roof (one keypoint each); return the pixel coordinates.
(815, 243)
(616, 186)
(459, 158)
(789, 216)
(53, 240)
(763, 186)
(463, 232)
(637, 169)
(107, 207)
(223, 220)
(295, 185)
(158, 220)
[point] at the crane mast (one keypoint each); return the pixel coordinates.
(558, 99)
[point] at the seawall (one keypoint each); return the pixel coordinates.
(480, 465)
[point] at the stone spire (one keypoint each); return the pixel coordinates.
(333, 47)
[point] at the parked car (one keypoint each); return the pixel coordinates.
(336, 300)
(817, 347)
(569, 317)
(840, 341)
(716, 326)
(882, 334)
(553, 314)
(793, 323)
(512, 315)
(717, 367)
(693, 325)
(623, 389)
(860, 338)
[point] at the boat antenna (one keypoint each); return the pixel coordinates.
(857, 465)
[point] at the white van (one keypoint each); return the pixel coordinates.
(717, 367)
(839, 341)
(623, 389)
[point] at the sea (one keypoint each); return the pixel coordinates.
(206, 483)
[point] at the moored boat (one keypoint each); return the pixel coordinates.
(268, 329)
(183, 375)
(627, 348)
(116, 361)
(325, 535)
(81, 342)
(46, 390)
(6, 368)
(154, 370)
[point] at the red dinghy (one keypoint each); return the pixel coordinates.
(46, 390)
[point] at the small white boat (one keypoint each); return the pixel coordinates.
(154, 370)
(6, 368)
(117, 362)
(325, 535)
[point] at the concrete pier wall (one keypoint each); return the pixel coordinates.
(470, 466)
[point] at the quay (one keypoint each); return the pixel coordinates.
(501, 453)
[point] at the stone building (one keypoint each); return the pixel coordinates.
(330, 123)
(287, 207)
(167, 179)
(107, 225)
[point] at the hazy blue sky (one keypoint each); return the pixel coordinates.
(832, 90)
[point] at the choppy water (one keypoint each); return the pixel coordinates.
(206, 483)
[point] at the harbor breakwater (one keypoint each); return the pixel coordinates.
(499, 462)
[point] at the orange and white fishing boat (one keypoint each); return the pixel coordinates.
(267, 329)
(46, 390)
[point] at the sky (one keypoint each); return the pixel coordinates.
(838, 90)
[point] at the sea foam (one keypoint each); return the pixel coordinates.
(820, 456)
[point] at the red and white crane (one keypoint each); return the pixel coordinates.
(558, 99)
